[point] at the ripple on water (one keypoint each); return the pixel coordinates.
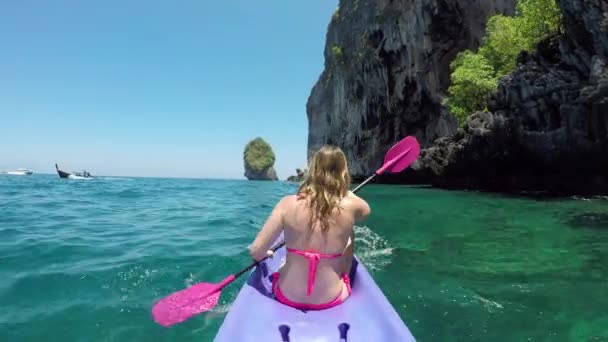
(594, 220)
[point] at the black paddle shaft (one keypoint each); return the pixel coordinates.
(282, 243)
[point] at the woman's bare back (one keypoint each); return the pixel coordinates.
(337, 239)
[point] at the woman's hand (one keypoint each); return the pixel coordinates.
(258, 256)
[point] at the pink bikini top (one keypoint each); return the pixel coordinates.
(313, 261)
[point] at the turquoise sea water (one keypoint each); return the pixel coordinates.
(85, 260)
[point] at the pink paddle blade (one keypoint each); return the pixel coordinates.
(181, 305)
(186, 303)
(400, 156)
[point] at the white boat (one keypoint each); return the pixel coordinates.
(20, 172)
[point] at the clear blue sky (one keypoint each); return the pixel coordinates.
(157, 88)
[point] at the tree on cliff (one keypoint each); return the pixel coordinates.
(475, 75)
(259, 160)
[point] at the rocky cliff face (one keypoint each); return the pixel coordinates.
(266, 174)
(548, 126)
(386, 70)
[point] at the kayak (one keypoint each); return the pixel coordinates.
(365, 316)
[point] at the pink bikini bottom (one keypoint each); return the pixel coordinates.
(306, 306)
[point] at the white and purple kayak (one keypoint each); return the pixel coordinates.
(366, 316)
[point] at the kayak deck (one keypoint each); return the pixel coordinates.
(365, 316)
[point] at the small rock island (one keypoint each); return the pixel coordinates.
(259, 160)
(298, 177)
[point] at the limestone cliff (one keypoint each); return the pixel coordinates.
(386, 72)
(548, 126)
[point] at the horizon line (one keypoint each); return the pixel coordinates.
(169, 177)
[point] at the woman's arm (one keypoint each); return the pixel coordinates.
(348, 254)
(269, 232)
(361, 208)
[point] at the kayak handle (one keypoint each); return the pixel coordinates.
(284, 330)
(343, 327)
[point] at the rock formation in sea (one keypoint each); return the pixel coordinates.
(259, 159)
(298, 177)
(387, 71)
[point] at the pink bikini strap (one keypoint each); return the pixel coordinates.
(313, 261)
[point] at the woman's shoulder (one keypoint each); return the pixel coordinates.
(352, 196)
(357, 203)
(287, 201)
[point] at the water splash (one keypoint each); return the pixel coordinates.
(373, 250)
(490, 305)
(117, 178)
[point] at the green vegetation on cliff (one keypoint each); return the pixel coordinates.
(475, 75)
(336, 51)
(258, 155)
(473, 80)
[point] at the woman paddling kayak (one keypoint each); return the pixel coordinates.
(318, 227)
(256, 315)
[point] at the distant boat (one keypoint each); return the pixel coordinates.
(20, 172)
(73, 175)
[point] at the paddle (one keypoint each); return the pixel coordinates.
(201, 297)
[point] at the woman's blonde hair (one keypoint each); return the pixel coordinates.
(326, 183)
